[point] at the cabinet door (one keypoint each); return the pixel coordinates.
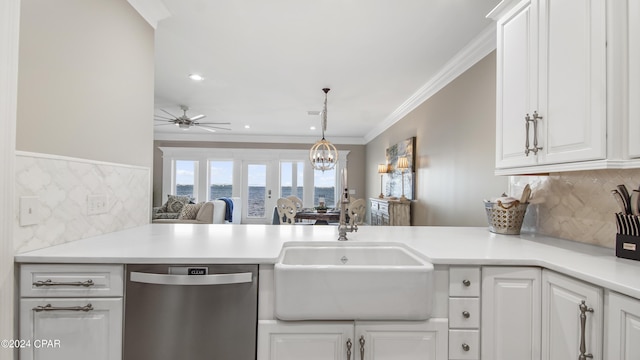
(623, 328)
(93, 333)
(516, 83)
(419, 340)
(561, 325)
(633, 43)
(511, 313)
(279, 340)
(572, 80)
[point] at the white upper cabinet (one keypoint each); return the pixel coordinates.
(633, 63)
(551, 84)
(516, 83)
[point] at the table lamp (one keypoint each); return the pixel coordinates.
(382, 169)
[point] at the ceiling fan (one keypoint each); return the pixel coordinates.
(184, 122)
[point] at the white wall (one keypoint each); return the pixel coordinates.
(86, 81)
(9, 15)
(455, 150)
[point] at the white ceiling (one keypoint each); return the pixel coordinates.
(265, 62)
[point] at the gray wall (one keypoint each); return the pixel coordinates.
(85, 81)
(355, 160)
(455, 150)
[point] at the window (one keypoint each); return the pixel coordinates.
(256, 181)
(324, 185)
(220, 179)
(185, 178)
(292, 178)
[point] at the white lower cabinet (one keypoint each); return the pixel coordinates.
(511, 313)
(71, 329)
(71, 312)
(622, 327)
(572, 318)
(361, 340)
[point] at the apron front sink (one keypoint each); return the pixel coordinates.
(352, 281)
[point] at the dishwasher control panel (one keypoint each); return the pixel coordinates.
(188, 270)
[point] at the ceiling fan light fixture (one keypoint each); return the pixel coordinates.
(196, 77)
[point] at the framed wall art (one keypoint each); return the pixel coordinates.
(394, 184)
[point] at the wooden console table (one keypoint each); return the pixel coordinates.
(388, 212)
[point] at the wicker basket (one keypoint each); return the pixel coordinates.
(505, 219)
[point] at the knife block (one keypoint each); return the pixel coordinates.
(628, 236)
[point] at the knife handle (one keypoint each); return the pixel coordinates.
(621, 203)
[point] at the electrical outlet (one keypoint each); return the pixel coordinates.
(97, 204)
(29, 210)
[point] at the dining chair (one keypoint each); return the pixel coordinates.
(296, 201)
(356, 211)
(286, 211)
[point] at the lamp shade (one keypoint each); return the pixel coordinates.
(403, 162)
(382, 168)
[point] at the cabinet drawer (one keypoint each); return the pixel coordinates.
(464, 281)
(464, 313)
(464, 344)
(64, 280)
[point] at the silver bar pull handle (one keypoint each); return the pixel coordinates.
(584, 309)
(49, 307)
(168, 279)
(49, 282)
(349, 345)
(526, 141)
(534, 119)
(361, 341)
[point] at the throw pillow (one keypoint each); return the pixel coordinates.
(176, 202)
(189, 211)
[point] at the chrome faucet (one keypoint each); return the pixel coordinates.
(343, 228)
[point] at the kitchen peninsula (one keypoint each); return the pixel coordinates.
(484, 258)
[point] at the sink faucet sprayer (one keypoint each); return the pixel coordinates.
(344, 203)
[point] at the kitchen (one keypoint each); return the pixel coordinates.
(565, 220)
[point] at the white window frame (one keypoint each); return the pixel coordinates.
(205, 155)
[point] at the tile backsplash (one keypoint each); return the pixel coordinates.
(575, 205)
(62, 186)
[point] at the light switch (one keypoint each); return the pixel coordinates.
(29, 214)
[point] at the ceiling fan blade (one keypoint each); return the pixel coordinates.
(204, 128)
(165, 120)
(211, 127)
(197, 117)
(173, 116)
(163, 117)
(214, 123)
(163, 124)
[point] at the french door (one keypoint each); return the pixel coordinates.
(259, 191)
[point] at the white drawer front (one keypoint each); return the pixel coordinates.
(464, 313)
(67, 280)
(464, 281)
(464, 344)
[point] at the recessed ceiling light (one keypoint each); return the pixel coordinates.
(312, 128)
(247, 127)
(313, 112)
(196, 77)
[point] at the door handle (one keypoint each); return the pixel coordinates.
(584, 309)
(269, 194)
(49, 282)
(349, 345)
(166, 279)
(49, 307)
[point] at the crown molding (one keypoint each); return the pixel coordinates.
(151, 10)
(473, 52)
(189, 136)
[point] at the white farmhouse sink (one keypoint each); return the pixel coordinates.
(352, 281)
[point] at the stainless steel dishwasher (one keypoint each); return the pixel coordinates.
(191, 312)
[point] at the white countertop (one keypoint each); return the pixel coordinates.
(261, 244)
